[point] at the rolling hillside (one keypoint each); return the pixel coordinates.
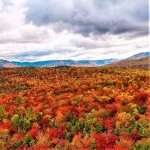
(142, 63)
(6, 64)
(139, 55)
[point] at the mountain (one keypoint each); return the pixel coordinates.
(50, 63)
(142, 63)
(53, 63)
(137, 60)
(6, 64)
(139, 55)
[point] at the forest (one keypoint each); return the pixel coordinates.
(74, 108)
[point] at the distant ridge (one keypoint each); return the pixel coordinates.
(139, 55)
(138, 61)
(6, 64)
(53, 63)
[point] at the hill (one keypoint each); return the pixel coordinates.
(142, 63)
(6, 64)
(139, 55)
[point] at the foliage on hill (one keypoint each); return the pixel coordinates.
(141, 63)
(74, 108)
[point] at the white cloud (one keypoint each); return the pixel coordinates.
(25, 41)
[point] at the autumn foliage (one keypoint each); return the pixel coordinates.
(74, 108)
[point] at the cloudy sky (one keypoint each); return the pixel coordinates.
(35, 30)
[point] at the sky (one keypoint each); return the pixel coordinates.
(38, 30)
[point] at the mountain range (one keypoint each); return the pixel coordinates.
(53, 63)
(89, 63)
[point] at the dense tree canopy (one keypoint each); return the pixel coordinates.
(74, 108)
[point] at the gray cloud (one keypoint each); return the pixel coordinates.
(91, 17)
(36, 53)
(25, 36)
(33, 30)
